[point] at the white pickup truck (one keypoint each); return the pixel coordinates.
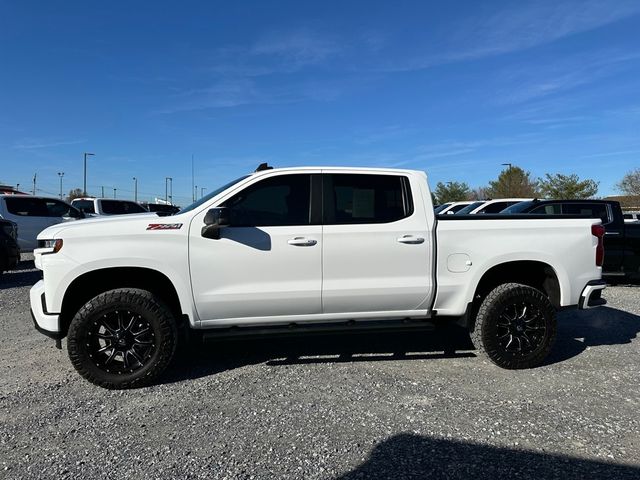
(311, 248)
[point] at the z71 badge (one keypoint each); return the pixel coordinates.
(164, 226)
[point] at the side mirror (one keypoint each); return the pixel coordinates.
(214, 220)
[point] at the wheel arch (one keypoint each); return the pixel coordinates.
(533, 273)
(92, 283)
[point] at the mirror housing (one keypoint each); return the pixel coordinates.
(214, 220)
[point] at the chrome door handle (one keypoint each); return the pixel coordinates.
(410, 239)
(612, 233)
(302, 242)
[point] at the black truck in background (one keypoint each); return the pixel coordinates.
(621, 240)
(9, 251)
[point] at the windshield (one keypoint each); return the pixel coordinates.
(469, 208)
(210, 195)
(518, 207)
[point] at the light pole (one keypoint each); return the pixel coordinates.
(114, 192)
(84, 186)
(195, 193)
(508, 178)
(61, 174)
(202, 189)
(168, 190)
(135, 189)
(102, 187)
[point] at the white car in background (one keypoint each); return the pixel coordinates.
(452, 207)
(33, 214)
(490, 206)
(107, 206)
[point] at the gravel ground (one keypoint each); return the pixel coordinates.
(294, 408)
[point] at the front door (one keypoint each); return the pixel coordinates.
(267, 263)
(377, 254)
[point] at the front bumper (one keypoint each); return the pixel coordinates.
(591, 295)
(45, 322)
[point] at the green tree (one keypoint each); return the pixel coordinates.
(630, 183)
(452, 192)
(513, 182)
(558, 186)
(75, 193)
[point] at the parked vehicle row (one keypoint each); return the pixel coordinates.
(313, 248)
(9, 250)
(34, 213)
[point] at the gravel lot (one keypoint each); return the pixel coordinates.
(252, 409)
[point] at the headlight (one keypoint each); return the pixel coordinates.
(54, 245)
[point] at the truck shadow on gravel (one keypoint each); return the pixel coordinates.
(413, 456)
(197, 360)
(592, 328)
(576, 332)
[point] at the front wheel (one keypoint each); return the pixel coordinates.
(123, 338)
(515, 326)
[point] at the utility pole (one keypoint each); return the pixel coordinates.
(102, 187)
(84, 187)
(193, 179)
(35, 175)
(135, 189)
(114, 192)
(508, 179)
(61, 174)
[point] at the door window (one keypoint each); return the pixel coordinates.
(551, 209)
(592, 210)
(119, 207)
(24, 206)
(357, 199)
(56, 208)
(496, 207)
(276, 201)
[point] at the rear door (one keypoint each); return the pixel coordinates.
(376, 244)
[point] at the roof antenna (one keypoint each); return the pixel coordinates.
(264, 166)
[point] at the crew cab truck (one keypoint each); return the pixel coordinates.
(621, 239)
(312, 248)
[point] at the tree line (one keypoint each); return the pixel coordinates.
(516, 182)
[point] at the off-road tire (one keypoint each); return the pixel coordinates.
(150, 309)
(489, 335)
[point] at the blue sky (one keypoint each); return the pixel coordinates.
(454, 88)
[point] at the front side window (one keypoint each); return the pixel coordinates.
(118, 207)
(56, 208)
(84, 205)
(25, 206)
(356, 199)
(276, 201)
(550, 209)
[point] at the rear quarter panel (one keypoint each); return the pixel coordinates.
(566, 245)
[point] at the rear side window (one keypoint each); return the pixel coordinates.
(26, 206)
(357, 199)
(118, 207)
(592, 210)
(277, 201)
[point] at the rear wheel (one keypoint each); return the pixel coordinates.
(515, 326)
(122, 338)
